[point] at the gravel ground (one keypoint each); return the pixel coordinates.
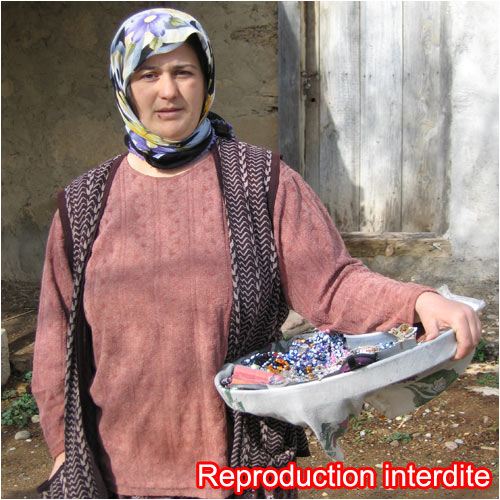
(459, 425)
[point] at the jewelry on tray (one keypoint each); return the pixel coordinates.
(315, 355)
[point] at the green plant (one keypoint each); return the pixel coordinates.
(20, 407)
(20, 410)
(357, 423)
(11, 393)
(404, 437)
(360, 439)
(480, 354)
(488, 379)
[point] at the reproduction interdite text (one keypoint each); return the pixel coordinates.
(459, 475)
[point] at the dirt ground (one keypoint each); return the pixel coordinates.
(458, 415)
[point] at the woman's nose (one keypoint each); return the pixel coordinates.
(167, 87)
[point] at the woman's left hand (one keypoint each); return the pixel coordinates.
(437, 313)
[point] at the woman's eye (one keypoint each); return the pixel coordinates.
(148, 76)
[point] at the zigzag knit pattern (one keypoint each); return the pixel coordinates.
(79, 476)
(259, 308)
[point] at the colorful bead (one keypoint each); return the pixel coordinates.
(318, 354)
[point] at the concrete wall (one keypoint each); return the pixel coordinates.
(58, 112)
(474, 130)
(473, 229)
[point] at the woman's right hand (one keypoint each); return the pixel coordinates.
(57, 463)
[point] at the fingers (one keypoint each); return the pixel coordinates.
(431, 330)
(438, 313)
(468, 332)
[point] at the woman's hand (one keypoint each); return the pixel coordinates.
(437, 313)
(57, 463)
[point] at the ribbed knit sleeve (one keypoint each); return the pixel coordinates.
(49, 361)
(321, 281)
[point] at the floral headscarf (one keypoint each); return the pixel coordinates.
(146, 34)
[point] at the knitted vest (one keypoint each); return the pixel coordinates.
(248, 176)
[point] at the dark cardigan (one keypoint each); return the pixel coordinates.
(248, 176)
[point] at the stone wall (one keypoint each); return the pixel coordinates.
(58, 112)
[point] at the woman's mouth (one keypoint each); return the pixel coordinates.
(168, 112)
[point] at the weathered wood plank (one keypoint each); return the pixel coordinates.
(312, 94)
(424, 150)
(381, 116)
(363, 245)
(289, 86)
(340, 112)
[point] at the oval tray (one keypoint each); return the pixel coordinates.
(282, 402)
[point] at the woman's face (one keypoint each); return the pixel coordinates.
(168, 92)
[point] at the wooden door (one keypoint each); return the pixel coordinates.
(375, 91)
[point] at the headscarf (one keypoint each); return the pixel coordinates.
(141, 36)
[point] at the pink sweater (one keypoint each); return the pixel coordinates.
(158, 296)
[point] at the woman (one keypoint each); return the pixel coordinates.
(202, 243)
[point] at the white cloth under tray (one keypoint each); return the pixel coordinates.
(394, 386)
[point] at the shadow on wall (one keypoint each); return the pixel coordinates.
(59, 116)
(309, 136)
(342, 196)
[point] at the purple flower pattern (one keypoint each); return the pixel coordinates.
(145, 21)
(144, 35)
